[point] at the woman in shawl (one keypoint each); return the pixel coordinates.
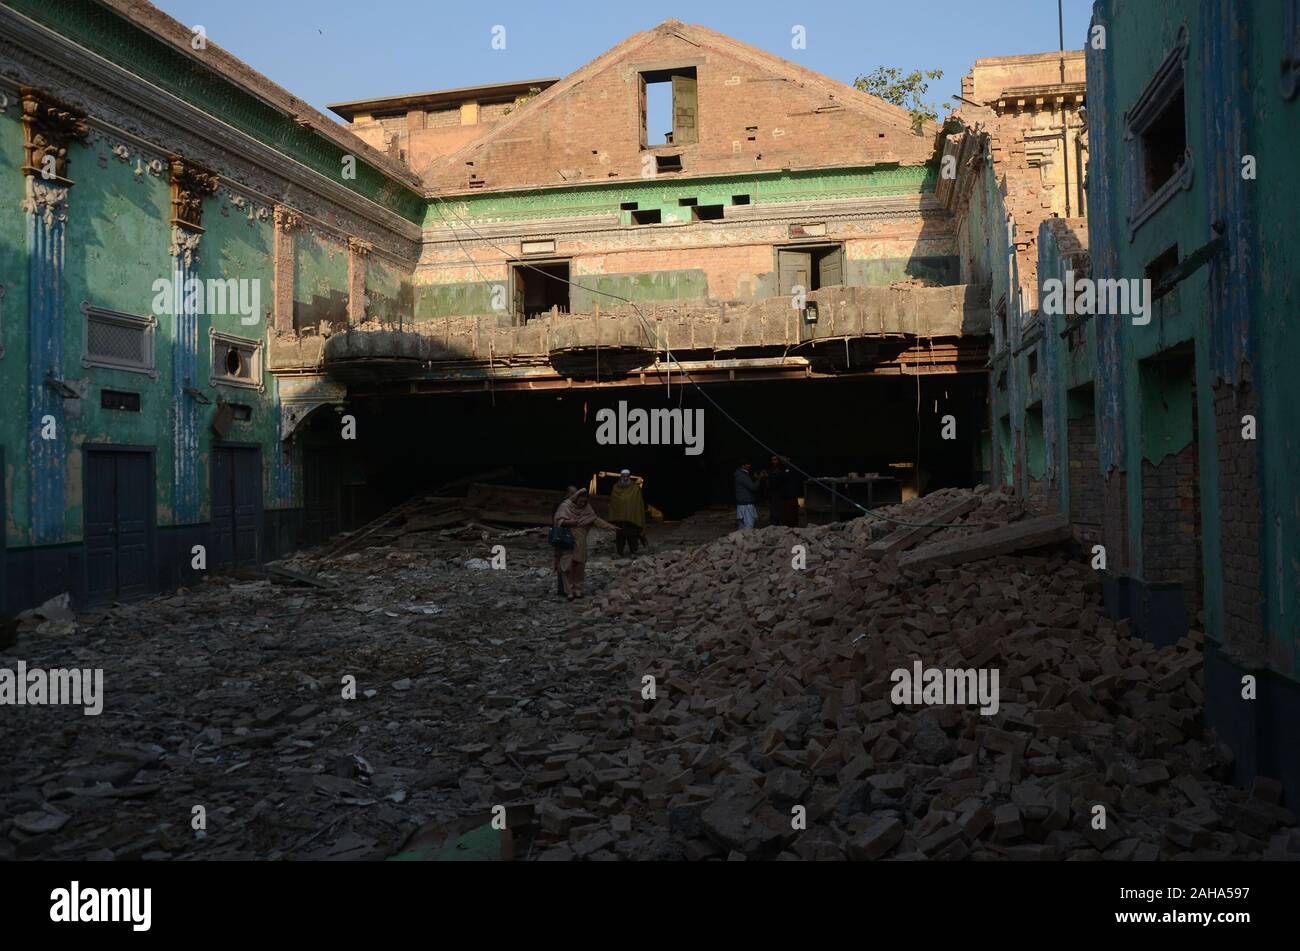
(578, 516)
(559, 572)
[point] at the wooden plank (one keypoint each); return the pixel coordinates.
(905, 537)
(1018, 536)
(351, 541)
(288, 575)
(512, 518)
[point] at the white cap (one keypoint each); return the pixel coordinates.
(625, 472)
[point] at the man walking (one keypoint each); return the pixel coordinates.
(746, 496)
(784, 486)
(627, 511)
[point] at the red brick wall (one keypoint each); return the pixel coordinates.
(1171, 522)
(587, 127)
(1085, 479)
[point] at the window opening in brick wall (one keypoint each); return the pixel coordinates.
(1163, 145)
(668, 163)
(1159, 161)
(669, 107)
(810, 267)
(650, 216)
(539, 289)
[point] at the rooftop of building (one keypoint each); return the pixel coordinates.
(487, 92)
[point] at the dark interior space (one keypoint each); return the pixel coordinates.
(539, 287)
(1164, 145)
(407, 445)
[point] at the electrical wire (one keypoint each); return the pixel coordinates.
(682, 371)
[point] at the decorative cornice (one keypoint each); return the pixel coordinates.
(117, 99)
(190, 182)
(899, 208)
(359, 247)
(49, 127)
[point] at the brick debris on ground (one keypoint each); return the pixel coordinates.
(478, 687)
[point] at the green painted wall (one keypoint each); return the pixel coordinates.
(117, 245)
(882, 272)
(234, 247)
(388, 288)
(1275, 142)
(665, 193)
(1166, 409)
(13, 329)
(646, 286)
(99, 29)
(450, 300)
(320, 279)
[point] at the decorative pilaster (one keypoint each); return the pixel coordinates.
(190, 184)
(50, 128)
(358, 253)
(286, 222)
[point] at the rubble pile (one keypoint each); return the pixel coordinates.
(766, 731)
(774, 693)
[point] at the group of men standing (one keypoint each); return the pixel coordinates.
(783, 486)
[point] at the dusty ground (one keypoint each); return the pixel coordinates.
(229, 696)
(478, 687)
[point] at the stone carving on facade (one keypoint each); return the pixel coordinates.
(359, 247)
(49, 127)
(50, 202)
(185, 244)
(286, 219)
(191, 183)
(130, 105)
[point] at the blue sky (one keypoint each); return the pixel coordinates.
(326, 51)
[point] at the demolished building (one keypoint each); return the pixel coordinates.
(478, 271)
(490, 283)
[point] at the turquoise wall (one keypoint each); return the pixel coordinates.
(14, 431)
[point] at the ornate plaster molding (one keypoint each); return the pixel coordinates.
(185, 244)
(286, 219)
(49, 127)
(190, 183)
(48, 201)
(113, 97)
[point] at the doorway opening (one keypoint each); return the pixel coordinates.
(539, 288)
(119, 524)
(809, 267)
(1171, 485)
(236, 506)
